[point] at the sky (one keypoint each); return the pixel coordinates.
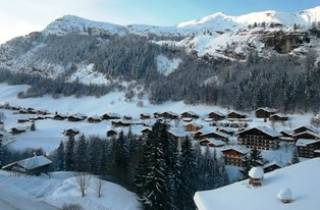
(19, 17)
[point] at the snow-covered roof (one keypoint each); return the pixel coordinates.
(267, 130)
(308, 132)
(34, 162)
(267, 109)
(256, 173)
(239, 149)
(302, 178)
(306, 142)
(273, 163)
(216, 142)
(307, 127)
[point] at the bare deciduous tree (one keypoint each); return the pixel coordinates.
(83, 181)
(99, 187)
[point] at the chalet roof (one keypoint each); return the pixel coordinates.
(219, 133)
(279, 115)
(308, 132)
(267, 130)
(276, 163)
(306, 142)
(307, 128)
(237, 112)
(217, 142)
(267, 109)
(31, 163)
(237, 149)
(34, 162)
(217, 113)
(189, 112)
(178, 132)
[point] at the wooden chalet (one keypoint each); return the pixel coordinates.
(145, 116)
(32, 166)
(234, 156)
(94, 119)
(216, 135)
(216, 116)
(18, 130)
(169, 115)
(307, 135)
(265, 112)
(189, 114)
(236, 115)
(259, 137)
(120, 123)
(23, 120)
(191, 127)
(303, 128)
(112, 133)
(271, 166)
(76, 118)
(278, 118)
(58, 116)
(126, 117)
(306, 147)
(111, 116)
(287, 135)
(71, 132)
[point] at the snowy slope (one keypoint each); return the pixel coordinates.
(301, 178)
(62, 188)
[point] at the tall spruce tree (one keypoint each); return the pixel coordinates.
(60, 157)
(151, 180)
(69, 160)
(189, 174)
(120, 157)
(81, 155)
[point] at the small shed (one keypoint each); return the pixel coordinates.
(32, 166)
(265, 112)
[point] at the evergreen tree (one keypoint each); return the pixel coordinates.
(152, 172)
(295, 157)
(33, 126)
(81, 155)
(120, 157)
(1, 153)
(95, 155)
(255, 158)
(189, 175)
(60, 155)
(106, 158)
(69, 162)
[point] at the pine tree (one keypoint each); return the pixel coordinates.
(33, 126)
(295, 157)
(120, 157)
(152, 173)
(81, 155)
(95, 155)
(106, 158)
(69, 162)
(255, 158)
(60, 157)
(189, 175)
(1, 153)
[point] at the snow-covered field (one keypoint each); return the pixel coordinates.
(62, 188)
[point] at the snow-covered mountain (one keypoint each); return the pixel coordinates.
(75, 41)
(215, 22)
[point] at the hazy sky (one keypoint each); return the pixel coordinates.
(18, 17)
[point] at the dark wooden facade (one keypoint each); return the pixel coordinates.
(233, 157)
(307, 150)
(257, 138)
(236, 115)
(265, 112)
(216, 116)
(189, 115)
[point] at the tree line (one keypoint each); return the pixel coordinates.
(164, 173)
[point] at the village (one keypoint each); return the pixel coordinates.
(231, 134)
